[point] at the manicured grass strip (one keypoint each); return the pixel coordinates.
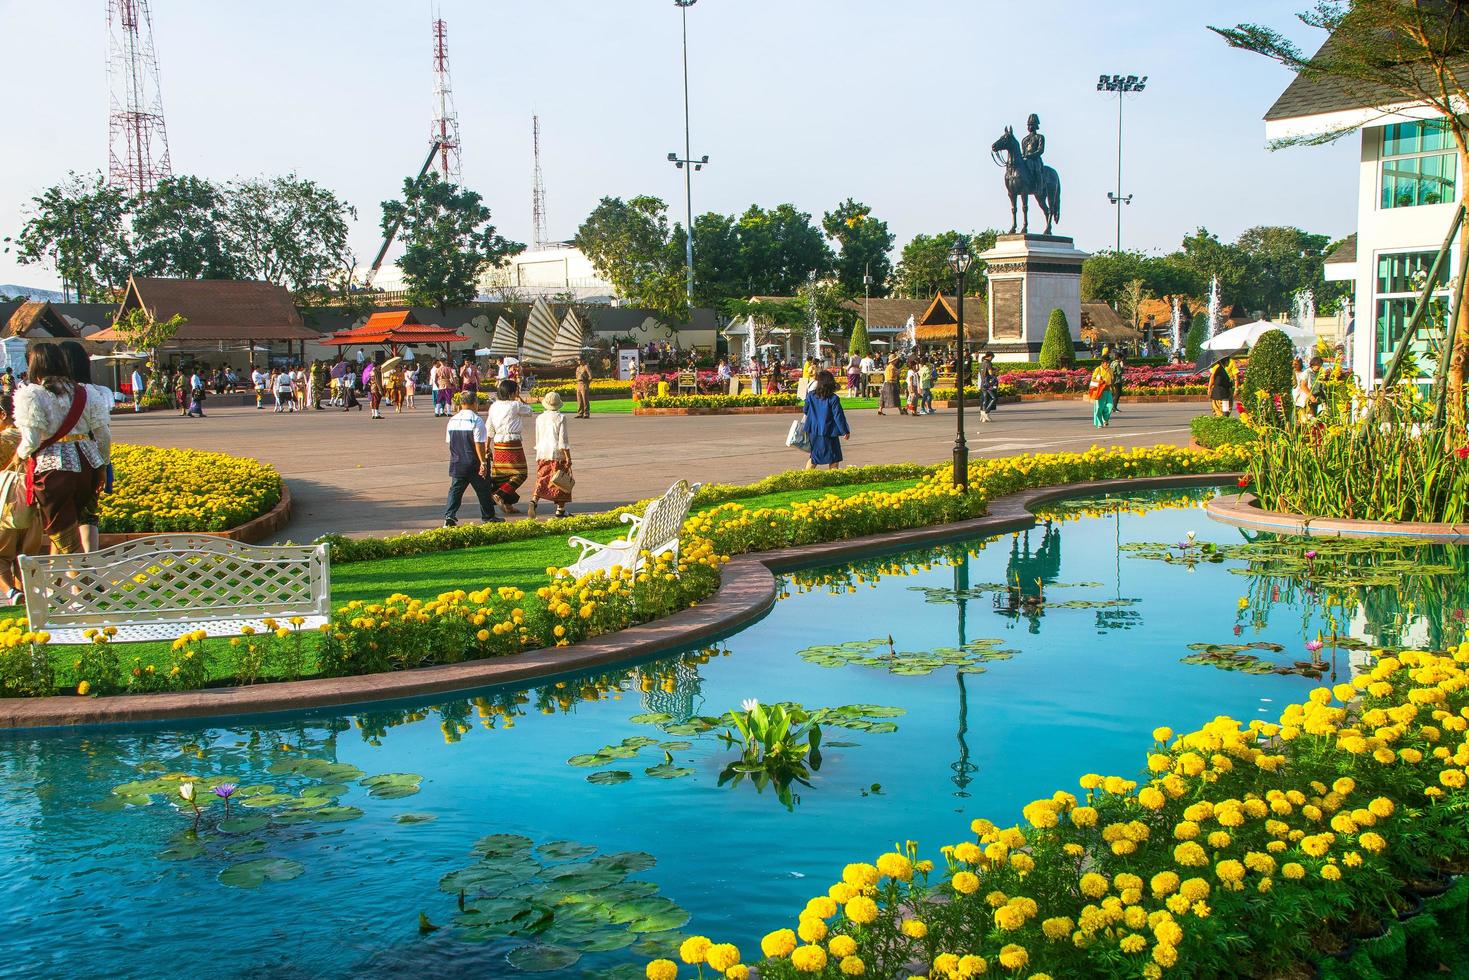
(521, 564)
(624, 406)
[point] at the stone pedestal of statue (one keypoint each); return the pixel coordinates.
(1029, 276)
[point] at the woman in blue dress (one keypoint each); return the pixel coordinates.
(826, 423)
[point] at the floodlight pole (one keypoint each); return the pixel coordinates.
(687, 163)
(1121, 84)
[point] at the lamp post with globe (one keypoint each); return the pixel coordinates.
(960, 258)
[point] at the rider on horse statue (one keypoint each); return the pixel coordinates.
(1032, 147)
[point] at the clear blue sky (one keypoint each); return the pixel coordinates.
(807, 101)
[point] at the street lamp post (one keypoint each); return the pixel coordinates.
(687, 163)
(1121, 84)
(960, 259)
(867, 297)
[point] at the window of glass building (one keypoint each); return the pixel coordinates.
(1401, 276)
(1419, 165)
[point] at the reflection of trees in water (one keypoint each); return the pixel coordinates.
(674, 690)
(1390, 589)
(1029, 569)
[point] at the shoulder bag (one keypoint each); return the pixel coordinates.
(73, 416)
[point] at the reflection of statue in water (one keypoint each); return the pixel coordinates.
(1029, 570)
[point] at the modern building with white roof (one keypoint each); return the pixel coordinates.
(1408, 187)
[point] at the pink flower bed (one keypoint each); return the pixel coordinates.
(1077, 379)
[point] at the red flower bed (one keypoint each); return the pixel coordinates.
(1077, 379)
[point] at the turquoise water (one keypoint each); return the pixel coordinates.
(96, 881)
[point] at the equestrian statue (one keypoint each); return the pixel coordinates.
(1026, 176)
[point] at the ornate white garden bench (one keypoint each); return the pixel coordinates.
(656, 532)
(165, 585)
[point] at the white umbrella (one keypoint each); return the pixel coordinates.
(483, 352)
(1245, 335)
(510, 360)
(879, 343)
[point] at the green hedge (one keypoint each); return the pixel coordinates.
(1213, 431)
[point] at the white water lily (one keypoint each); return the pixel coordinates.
(1189, 535)
(749, 704)
(186, 790)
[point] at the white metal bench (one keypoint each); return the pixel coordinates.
(656, 532)
(165, 585)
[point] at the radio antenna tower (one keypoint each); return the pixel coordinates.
(446, 124)
(137, 141)
(538, 188)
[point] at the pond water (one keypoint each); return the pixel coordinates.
(1015, 665)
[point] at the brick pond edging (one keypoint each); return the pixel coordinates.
(1244, 510)
(256, 529)
(746, 593)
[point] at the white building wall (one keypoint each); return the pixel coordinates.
(1384, 230)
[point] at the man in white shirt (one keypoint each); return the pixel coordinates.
(259, 378)
(137, 383)
(469, 462)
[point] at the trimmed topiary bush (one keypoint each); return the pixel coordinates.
(1057, 350)
(860, 345)
(1214, 431)
(1193, 341)
(1268, 372)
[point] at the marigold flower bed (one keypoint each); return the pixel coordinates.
(1271, 844)
(157, 489)
(467, 624)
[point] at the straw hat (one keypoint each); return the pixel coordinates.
(551, 401)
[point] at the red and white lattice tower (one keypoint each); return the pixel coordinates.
(538, 187)
(137, 142)
(446, 125)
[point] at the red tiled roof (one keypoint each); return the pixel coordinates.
(395, 327)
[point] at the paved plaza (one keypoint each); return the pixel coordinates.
(353, 475)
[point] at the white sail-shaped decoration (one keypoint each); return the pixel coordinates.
(569, 339)
(503, 342)
(540, 334)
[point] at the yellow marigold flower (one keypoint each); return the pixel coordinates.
(1164, 883)
(822, 906)
(1186, 830)
(1022, 862)
(811, 929)
(1151, 798)
(1014, 956)
(737, 972)
(966, 882)
(1231, 871)
(1194, 889)
(808, 959)
(1133, 943)
(862, 910)
(996, 898)
(1452, 778)
(1090, 781)
(1165, 955)
(1163, 734)
(896, 866)
(1352, 859)
(83, 687)
(1219, 840)
(1093, 885)
(722, 956)
(853, 966)
(1293, 871)
(860, 875)
(841, 892)
(1373, 841)
(968, 852)
(662, 970)
(1330, 872)
(780, 942)
(1190, 855)
(972, 966)
(1009, 917)
(1057, 928)
(693, 949)
(1135, 917)
(1084, 816)
(842, 945)
(914, 928)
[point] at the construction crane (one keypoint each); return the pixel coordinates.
(377, 263)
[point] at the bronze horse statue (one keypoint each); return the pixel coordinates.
(1019, 182)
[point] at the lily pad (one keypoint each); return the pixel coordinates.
(244, 846)
(609, 777)
(651, 718)
(336, 814)
(411, 818)
(565, 850)
(589, 760)
(675, 746)
(542, 959)
(182, 851)
(657, 914)
(501, 845)
(628, 861)
(244, 824)
(392, 785)
(257, 871)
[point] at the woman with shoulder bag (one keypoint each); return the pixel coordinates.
(64, 464)
(98, 421)
(20, 533)
(826, 423)
(553, 457)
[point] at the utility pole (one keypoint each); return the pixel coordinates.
(687, 163)
(1121, 84)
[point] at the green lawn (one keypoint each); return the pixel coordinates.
(515, 563)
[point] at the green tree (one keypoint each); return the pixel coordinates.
(864, 246)
(181, 230)
(78, 228)
(780, 248)
(1205, 256)
(1105, 275)
(140, 332)
(719, 268)
(448, 241)
(287, 230)
(630, 244)
(1268, 372)
(1057, 348)
(923, 269)
(859, 344)
(1279, 262)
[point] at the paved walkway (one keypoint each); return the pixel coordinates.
(356, 476)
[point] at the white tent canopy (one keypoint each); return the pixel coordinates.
(1245, 336)
(540, 333)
